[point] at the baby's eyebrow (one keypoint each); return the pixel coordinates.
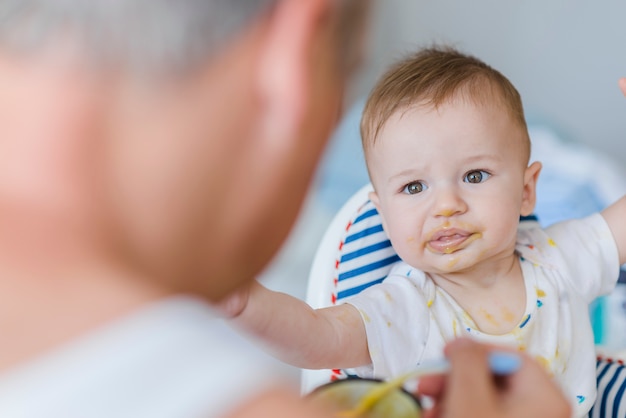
(483, 157)
(408, 172)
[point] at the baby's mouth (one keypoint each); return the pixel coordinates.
(451, 240)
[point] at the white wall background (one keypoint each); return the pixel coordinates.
(564, 56)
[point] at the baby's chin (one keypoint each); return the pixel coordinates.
(467, 261)
(444, 263)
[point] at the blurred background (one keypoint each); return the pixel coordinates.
(564, 56)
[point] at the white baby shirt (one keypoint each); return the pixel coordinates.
(408, 319)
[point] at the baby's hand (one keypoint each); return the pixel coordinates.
(622, 85)
(234, 304)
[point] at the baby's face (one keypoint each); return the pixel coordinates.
(451, 184)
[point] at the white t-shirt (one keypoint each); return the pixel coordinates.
(408, 319)
(173, 359)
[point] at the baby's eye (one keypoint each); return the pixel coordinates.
(476, 176)
(414, 188)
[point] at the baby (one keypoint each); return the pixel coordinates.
(447, 150)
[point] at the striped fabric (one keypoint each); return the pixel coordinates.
(361, 255)
(365, 254)
(611, 378)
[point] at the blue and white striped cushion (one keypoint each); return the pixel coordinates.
(365, 254)
(611, 379)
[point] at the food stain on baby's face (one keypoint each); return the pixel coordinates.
(448, 238)
(463, 258)
(453, 262)
(454, 248)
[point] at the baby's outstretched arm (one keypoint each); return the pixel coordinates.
(294, 332)
(615, 216)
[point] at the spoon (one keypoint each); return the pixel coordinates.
(501, 363)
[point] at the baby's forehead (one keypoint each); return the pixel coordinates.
(428, 123)
(448, 111)
(481, 95)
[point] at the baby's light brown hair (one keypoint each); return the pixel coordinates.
(432, 77)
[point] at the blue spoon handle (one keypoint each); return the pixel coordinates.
(501, 363)
(504, 363)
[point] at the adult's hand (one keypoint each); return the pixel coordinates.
(470, 390)
(622, 85)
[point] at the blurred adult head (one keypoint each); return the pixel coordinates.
(168, 141)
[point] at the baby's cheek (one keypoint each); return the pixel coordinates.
(414, 243)
(409, 251)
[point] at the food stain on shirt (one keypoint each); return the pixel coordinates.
(545, 363)
(551, 242)
(467, 318)
(366, 318)
(553, 365)
(540, 294)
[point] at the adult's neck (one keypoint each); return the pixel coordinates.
(55, 285)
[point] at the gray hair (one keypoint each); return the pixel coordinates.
(161, 35)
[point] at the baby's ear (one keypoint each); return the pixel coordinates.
(529, 193)
(373, 196)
